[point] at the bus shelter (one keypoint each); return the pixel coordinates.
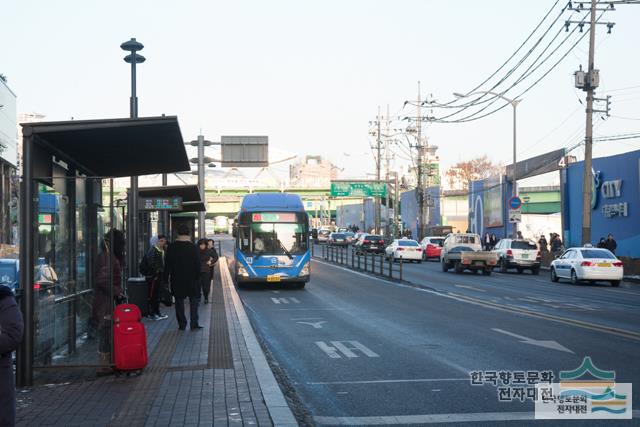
(72, 248)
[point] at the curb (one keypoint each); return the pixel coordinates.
(277, 406)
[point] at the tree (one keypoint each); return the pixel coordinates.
(460, 174)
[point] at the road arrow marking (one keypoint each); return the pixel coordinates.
(316, 325)
(554, 345)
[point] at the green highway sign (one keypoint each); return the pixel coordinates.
(358, 189)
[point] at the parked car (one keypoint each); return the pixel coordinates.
(45, 277)
(323, 235)
(9, 273)
(463, 251)
(342, 229)
(431, 247)
(369, 243)
(587, 264)
(349, 236)
(338, 239)
(407, 249)
(520, 254)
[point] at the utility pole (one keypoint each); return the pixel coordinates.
(420, 184)
(587, 179)
(589, 82)
(378, 165)
(386, 174)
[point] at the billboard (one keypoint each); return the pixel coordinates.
(245, 151)
(8, 125)
(615, 205)
(537, 165)
(492, 202)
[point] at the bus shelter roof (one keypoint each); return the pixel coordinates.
(114, 147)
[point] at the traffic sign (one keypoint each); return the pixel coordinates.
(515, 215)
(515, 202)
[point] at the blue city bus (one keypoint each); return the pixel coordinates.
(272, 240)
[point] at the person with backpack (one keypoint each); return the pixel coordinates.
(152, 267)
(11, 329)
(182, 271)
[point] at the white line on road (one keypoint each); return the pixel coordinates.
(398, 381)
(554, 345)
(285, 300)
(347, 348)
(425, 419)
(469, 287)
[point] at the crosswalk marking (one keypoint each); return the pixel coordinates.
(347, 348)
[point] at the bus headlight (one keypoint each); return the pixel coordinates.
(243, 271)
(306, 269)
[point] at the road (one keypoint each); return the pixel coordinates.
(360, 350)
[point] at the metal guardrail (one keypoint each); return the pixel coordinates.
(367, 262)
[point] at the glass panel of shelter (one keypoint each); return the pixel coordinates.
(72, 297)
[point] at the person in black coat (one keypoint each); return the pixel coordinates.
(182, 271)
(11, 329)
(611, 244)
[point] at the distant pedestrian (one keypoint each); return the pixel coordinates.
(206, 263)
(520, 235)
(611, 244)
(543, 245)
(11, 329)
(486, 242)
(182, 270)
(556, 244)
(211, 246)
(494, 240)
(602, 243)
(152, 266)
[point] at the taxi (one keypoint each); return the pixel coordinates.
(587, 264)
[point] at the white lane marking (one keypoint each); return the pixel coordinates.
(554, 345)
(469, 287)
(315, 325)
(285, 300)
(276, 292)
(425, 419)
(328, 350)
(347, 348)
(398, 381)
(295, 319)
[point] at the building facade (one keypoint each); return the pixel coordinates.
(8, 163)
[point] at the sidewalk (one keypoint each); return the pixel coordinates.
(217, 376)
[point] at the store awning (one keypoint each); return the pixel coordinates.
(113, 147)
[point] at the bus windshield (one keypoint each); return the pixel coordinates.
(260, 236)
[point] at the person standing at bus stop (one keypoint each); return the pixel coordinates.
(11, 329)
(182, 270)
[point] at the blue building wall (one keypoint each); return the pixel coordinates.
(624, 168)
(409, 209)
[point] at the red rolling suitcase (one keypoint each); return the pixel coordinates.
(129, 339)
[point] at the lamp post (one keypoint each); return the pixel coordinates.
(514, 103)
(133, 58)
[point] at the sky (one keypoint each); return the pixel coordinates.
(311, 75)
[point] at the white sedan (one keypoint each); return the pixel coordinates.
(591, 264)
(407, 249)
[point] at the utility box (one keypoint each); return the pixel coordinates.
(580, 79)
(594, 79)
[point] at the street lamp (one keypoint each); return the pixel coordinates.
(133, 58)
(514, 103)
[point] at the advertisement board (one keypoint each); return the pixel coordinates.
(492, 202)
(8, 126)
